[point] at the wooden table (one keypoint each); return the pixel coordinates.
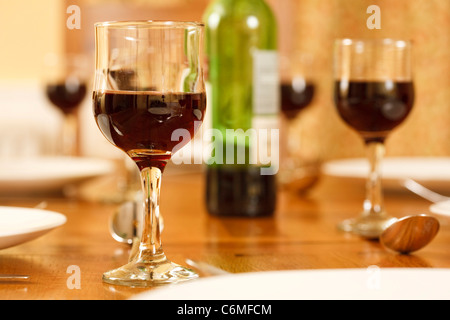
(301, 235)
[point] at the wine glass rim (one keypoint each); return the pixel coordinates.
(134, 24)
(385, 41)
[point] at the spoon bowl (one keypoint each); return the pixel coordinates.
(125, 222)
(410, 233)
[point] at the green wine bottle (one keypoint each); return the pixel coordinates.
(242, 81)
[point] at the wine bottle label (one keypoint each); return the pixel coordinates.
(266, 147)
(266, 95)
(266, 104)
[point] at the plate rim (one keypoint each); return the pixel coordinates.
(434, 208)
(407, 272)
(60, 219)
(53, 160)
(432, 159)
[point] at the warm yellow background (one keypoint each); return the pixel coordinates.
(30, 28)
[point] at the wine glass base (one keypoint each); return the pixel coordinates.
(367, 226)
(149, 274)
(299, 175)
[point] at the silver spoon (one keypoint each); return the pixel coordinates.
(124, 223)
(410, 233)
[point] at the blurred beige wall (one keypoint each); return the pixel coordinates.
(28, 30)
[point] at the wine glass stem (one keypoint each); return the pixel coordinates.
(373, 204)
(151, 235)
(70, 135)
(293, 144)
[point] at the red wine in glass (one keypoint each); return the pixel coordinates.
(141, 123)
(295, 98)
(374, 108)
(296, 95)
(67, 96)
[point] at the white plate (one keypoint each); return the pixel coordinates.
(432, 171)
(49, 173)
(441, 208)
(19, 225)
(341, 284)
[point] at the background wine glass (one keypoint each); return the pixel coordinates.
(148, 84)
(66, 81)
(298, 171)
(373, 94)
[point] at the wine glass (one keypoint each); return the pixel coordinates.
(66, 78)
(149, 84)
(373, 94)
(298, 169)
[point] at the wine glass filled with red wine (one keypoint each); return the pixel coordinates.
(298, 170)
(66, 79)
(373, 94)
(297, 85)
(149, 84)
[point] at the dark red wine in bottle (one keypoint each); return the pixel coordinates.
(141, 123)
(374, 108)
(240, 191)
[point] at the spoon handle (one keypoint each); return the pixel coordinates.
(13, 277)
(206, 267)
(426, 193)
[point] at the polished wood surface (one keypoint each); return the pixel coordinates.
(301, 235)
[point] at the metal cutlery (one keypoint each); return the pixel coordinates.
(13, 277)
(206, 267)
(423, 192)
